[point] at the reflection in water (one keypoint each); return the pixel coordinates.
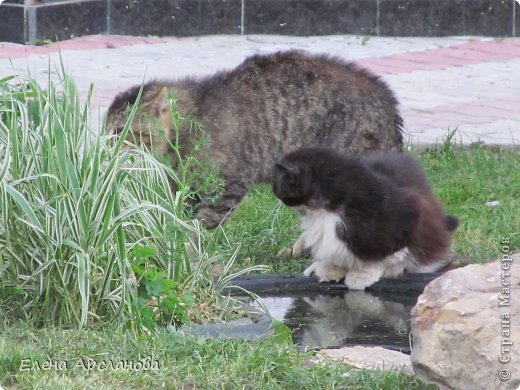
(339, 319)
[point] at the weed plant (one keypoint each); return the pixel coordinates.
(90, 229)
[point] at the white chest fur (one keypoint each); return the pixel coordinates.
(332, 257)
(319, 234)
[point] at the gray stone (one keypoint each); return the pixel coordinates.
(466, 327)
(373, 358)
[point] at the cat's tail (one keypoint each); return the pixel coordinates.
(451, 222)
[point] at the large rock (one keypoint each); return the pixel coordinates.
(466, 327)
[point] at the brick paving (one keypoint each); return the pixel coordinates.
(468, 83)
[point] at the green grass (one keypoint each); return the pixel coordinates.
(183, 361)
(466, 179)
(260, 228)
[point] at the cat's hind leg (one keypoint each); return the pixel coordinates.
(214, 214)
(370, 272)
(360, 279)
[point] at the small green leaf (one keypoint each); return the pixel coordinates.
(168, 285)
(154, 287)
(188, 299)
(42, 42)
(171, 303)
(282, 333)
(153, 274)
(137, 269)
(146, 312)
(147, 318)
(142, 251)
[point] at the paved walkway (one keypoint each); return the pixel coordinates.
(468, 83)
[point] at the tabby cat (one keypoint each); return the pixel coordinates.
(254, 114)
(363, 218)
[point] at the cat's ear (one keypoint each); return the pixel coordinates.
(155, 96)
(290, 169)
(279, 167)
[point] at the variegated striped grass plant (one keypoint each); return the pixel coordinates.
(90, 233)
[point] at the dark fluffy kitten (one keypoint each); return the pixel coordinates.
(363, 218)
(268, 106)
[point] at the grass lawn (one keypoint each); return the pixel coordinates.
(176, 361)
(464, 178)
(92, 238)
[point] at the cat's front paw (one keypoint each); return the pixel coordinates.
(330, 273)
(359, 280)
(310, 269)
(325, 273)
(298, 249)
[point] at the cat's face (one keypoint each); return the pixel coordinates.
(292, 183)
(151, 123)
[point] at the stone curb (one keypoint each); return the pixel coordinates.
(412, 284)
(66, 19)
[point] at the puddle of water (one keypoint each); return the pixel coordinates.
(338, 319)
